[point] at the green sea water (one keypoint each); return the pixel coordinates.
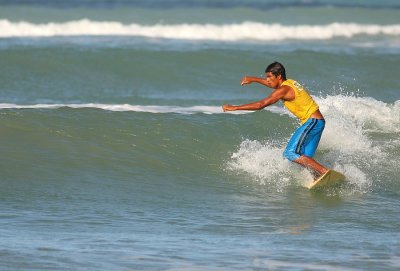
(116, 155)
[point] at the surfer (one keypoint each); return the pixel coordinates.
(304, 142)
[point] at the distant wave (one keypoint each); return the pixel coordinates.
(226, 32)
(165, 4)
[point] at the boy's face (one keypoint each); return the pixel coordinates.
(272, 80)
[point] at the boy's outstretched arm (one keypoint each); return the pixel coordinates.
(275, 96)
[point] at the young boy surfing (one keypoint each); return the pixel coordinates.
(304, 142)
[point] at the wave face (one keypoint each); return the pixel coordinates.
(226, 32)
(359, 138)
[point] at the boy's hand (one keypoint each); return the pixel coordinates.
(246, 80)
(228, 107)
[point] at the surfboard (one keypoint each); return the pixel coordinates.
(329, 179)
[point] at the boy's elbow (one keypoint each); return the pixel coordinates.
(261, 105)
(264, 104)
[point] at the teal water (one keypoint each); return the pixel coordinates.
(116, 154)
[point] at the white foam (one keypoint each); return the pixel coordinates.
(351, 119)
(263, 162)
(367, 112)
(225, 32)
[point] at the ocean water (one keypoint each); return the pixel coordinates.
(116, 155)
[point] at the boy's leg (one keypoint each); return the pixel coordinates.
(309, 163)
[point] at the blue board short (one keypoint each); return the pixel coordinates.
(305, 139)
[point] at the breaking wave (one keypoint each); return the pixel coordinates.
(360, 138)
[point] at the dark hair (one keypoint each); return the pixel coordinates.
(276, 69)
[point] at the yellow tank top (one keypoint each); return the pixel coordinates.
(303, 105)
